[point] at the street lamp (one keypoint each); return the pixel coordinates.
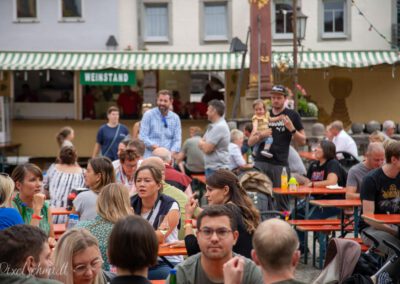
(111, 43)
(299, 21)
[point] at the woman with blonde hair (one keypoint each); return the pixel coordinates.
(99, 173)
(112, 205)
(77, 258)
(8, 216)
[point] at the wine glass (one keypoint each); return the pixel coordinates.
(163, 224)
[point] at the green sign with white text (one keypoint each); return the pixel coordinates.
(108, 77)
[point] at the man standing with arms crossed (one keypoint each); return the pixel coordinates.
(282, 132)
(161, 127)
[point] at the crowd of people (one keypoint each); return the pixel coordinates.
(137, 193)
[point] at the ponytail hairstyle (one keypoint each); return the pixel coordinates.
(63, 134)
(237, 196)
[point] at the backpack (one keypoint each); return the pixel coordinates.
(259, 188)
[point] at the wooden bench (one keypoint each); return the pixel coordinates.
(314, 222)
(59, 229)
(364, 247)
(324, 229)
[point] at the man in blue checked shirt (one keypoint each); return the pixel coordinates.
(161, 127)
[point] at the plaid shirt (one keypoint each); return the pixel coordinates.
(156, 129)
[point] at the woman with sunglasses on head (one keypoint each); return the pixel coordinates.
(99, 173)
(223, 187)
(8, 216)
(30, 201)
(160, 210)
(77, 259)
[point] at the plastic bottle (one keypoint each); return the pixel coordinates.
(292, 184)
(172, 276)
(284, 179)
(72, 221)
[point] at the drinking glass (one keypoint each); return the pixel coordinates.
(163, 224)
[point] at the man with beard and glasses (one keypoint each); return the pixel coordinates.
(161, 127)
(217, 233)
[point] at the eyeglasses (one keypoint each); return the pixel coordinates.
(94, 265)
(222, 233)
(164, 120)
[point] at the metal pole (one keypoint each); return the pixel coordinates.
(259, 54)
(239, 83)
(295, 71)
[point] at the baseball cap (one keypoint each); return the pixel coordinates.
(279, 89)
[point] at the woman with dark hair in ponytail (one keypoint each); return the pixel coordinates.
(61, 178)
(223, 188)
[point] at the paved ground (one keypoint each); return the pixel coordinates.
(306, 273)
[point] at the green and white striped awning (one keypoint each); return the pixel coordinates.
(205, 61)
(346, 59)
(202, 61)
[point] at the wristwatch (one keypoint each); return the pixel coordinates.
(293, 131)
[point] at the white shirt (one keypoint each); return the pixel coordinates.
(344, 143)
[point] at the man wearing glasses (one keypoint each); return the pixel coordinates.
(161, 127)
(216, 236)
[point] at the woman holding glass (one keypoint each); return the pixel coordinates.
(160, 210)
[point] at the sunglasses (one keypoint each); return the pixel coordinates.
(164, 120)
(146, 105)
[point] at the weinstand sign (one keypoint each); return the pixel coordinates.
(108, 77)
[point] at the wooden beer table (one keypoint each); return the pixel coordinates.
(390, 219)
(342, 204)
(305, 191)
(60, 211)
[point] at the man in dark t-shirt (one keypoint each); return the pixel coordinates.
(282, 132)
(380, 194)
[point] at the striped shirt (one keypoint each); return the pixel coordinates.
(59, 184)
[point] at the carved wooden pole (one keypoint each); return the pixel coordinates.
(260, 81)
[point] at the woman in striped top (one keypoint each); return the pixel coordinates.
(61, 178)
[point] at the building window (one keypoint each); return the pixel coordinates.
(51, 90)
(26, 9)
(283, 11)
(334, 18)
(216, 21)
(156, 22)
(71, 9)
